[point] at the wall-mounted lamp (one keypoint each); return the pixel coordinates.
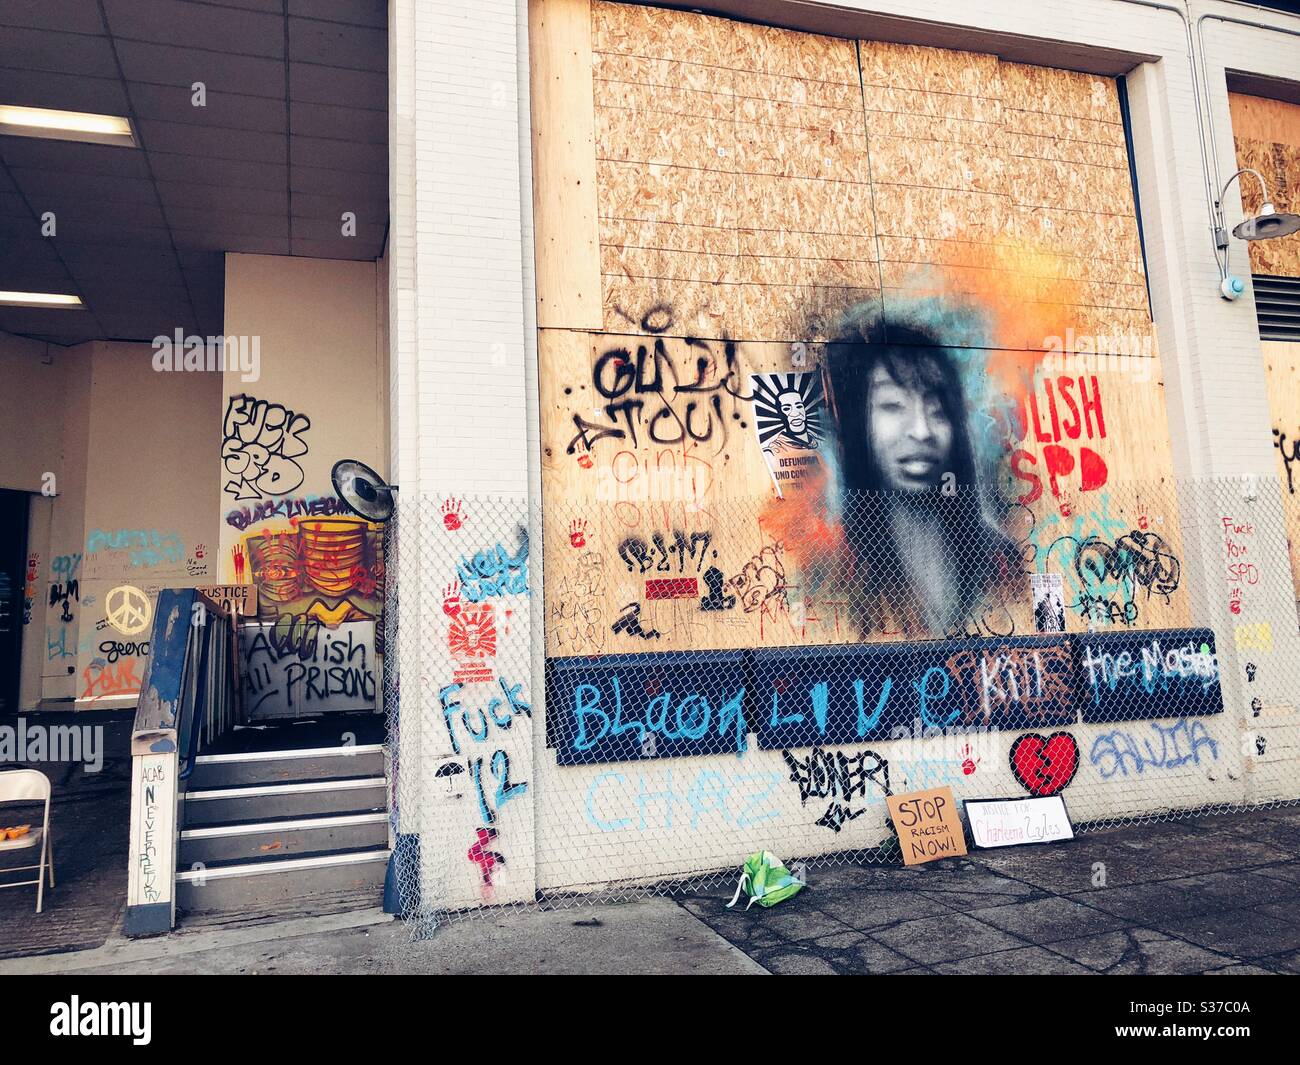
(1269, 223)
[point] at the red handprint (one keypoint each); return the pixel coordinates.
(578, 532)
(451, 517)
(237, 553)
(451, 599)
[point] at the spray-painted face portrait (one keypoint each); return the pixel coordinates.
(793, 411)
(909, 431)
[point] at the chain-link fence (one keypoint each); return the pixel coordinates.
(659, 688)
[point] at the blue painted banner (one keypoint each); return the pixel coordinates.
(624, 707)
(621, 708)
(1132, 676)
(827, 695)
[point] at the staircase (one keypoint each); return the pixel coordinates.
(283, 831)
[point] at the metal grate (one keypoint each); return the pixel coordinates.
(1277, 304)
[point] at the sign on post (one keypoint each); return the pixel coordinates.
(928, 825)
(238, 599)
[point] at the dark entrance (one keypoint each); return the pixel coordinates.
(13, 583)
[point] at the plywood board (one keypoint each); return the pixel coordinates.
(564, 173)
(1267, 134)
(1282, 374)
(757, 189)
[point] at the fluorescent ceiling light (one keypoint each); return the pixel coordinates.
(66, 125)
(64, 300)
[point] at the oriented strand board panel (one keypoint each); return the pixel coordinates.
(564, 171)
(732, 173)
(671, 524)
(760, 192)
(1282, 370)
(1267, 135)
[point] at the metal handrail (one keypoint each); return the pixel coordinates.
(190, 696)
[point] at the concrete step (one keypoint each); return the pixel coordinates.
(286, 767)
(295, 837)
(281, 802)
(246, 887)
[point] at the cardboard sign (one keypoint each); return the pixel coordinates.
(928, 825)
(1015, 822)
(238, 599)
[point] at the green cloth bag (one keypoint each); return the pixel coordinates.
(767, 881)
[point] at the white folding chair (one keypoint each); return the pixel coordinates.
(28, 785)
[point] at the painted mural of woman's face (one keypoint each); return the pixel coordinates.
(910, 435)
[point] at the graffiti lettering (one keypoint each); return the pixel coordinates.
(1166, 746)
(840, 778)
(260, 447)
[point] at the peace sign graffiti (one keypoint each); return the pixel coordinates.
(128, 609)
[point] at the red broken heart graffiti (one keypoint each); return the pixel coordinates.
(1045, 765)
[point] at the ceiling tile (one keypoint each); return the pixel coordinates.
(165, 64)
(337, 249)
(67, 92)
(328, 230)
(181, 23)
(144, 234)
(240, 173)
(18, 247)
(203, 141)
(331, 85)
(74, 16)
(338, 155)
(57, 186)
(29, 321)
(335, 44)
(368, 209)
(213, 240)
(372, 13)
(174, 103)
(347, 123)
(73, 157)
(73, 217)
(230, 198)
(312, 179)
(266, 225)
(60, 52)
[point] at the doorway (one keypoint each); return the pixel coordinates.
(14, 608)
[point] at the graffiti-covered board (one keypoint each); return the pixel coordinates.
(307, 669)
(647, 706)
(807, 696)
(1144, 675)
(784, 404)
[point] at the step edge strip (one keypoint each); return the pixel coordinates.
(284, 756)
(302, 788)
(283, 865)
(295, 825)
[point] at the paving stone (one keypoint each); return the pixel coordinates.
(1243, 933)
(1138, 951)
(1026, 961)
(868, 910)
(1048, 920)
(794, 962)
(856, 952)
(939, 939)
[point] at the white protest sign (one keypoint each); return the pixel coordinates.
(1013, 822)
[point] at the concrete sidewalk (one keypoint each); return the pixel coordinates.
(1209, 895)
